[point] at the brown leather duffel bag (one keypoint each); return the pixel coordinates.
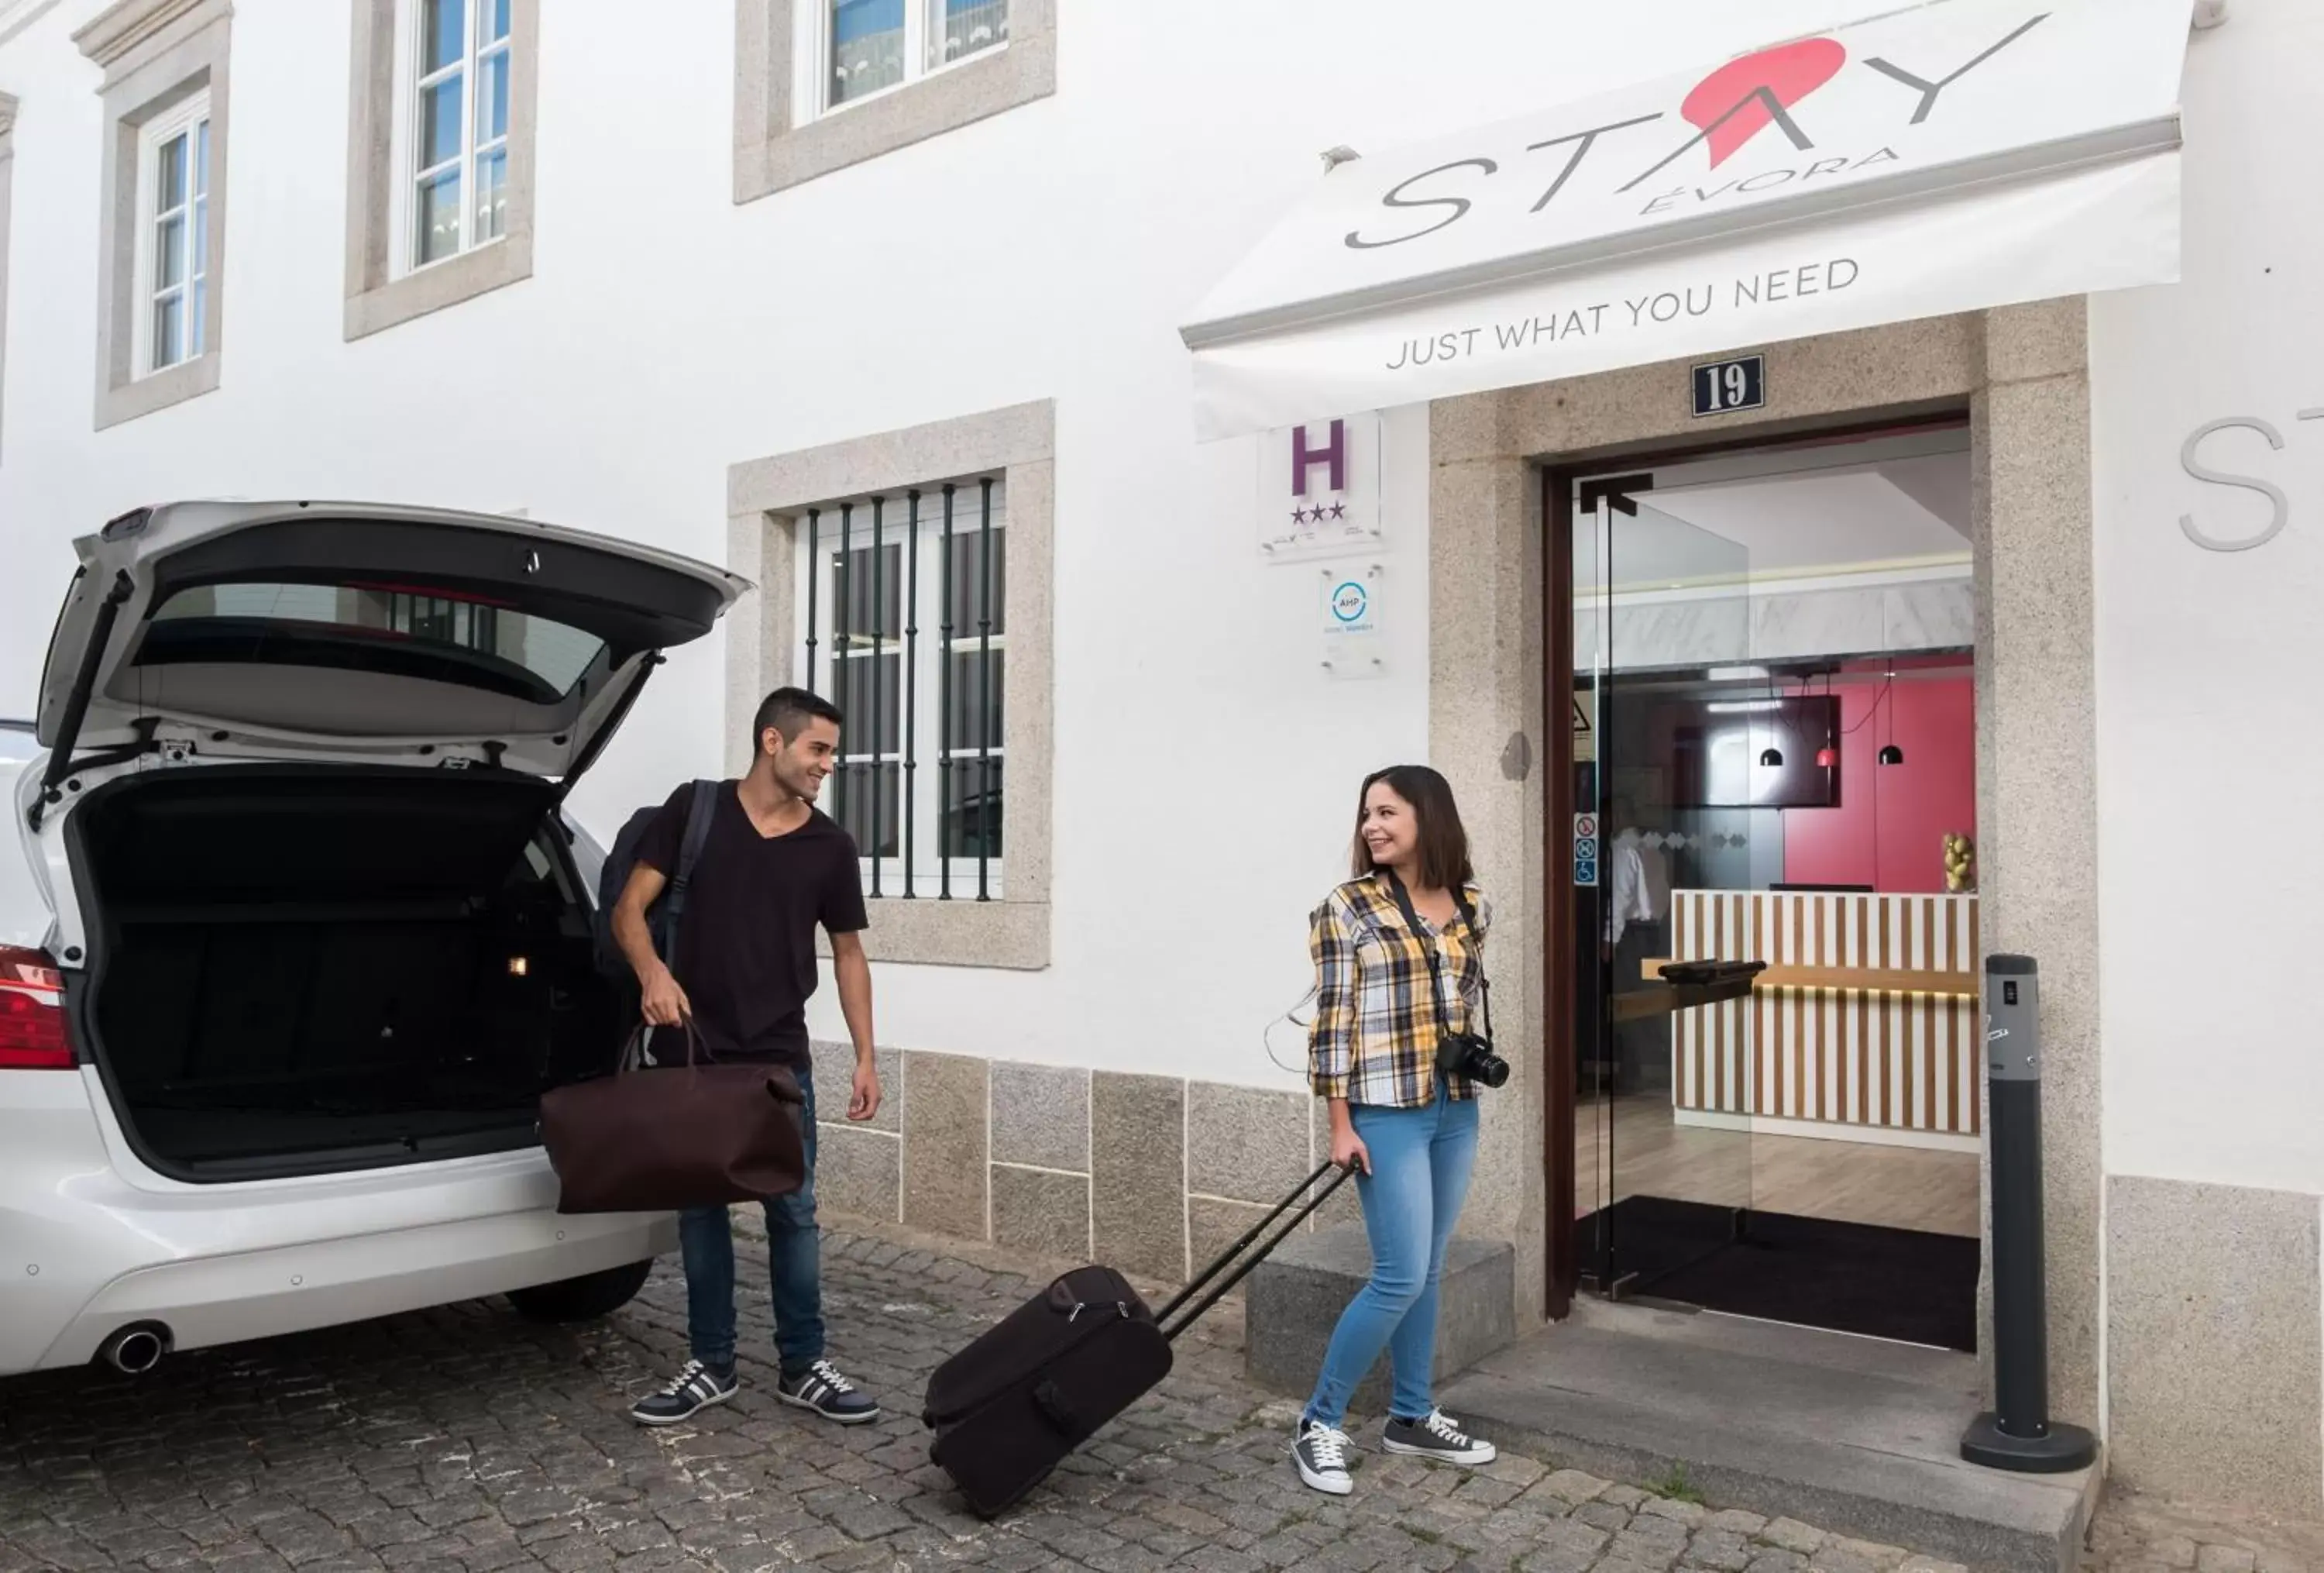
(658, 1138)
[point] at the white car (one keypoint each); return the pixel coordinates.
(301, 933)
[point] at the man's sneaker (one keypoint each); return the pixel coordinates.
(821, 1388)
(696, 1388)
(1436, 1437)
(1321, 1451)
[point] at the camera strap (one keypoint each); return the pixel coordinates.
(1437, 956)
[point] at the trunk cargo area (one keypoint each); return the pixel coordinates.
(299, 969)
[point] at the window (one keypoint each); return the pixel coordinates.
(439, 637)
(905, 575)
(823, 83)
(173, 261)
(439, 204)
(872, 45)
(161, 230)
(907, 632)
(453, 137)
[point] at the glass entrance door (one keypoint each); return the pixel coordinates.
(1663, 1161)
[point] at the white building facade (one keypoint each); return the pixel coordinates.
(749, 280)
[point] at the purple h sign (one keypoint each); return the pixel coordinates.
(1305, 459)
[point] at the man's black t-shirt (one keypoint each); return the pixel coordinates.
(746, 940)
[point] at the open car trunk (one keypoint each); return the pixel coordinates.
(304, 969)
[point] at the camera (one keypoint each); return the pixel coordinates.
(1467, 1054)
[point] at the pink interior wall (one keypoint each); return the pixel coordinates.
(1888, 830)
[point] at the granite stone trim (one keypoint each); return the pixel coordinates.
(156, 54)
(1041, 1210)
(1041, 1115)
(2020, 373)
(1213, 1223)
(766, 503)
(947, 1117)
(777, 147)
(2215, 1365)
(858, 1172)
(834, 1084)
(1245, 1144)
(1138, 1188)
(380, 294)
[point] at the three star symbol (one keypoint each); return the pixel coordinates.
(1318, 513)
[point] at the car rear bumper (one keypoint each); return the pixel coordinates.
(89, 1244)
(260, 1294)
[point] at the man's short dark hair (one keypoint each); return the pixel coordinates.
(788, 711)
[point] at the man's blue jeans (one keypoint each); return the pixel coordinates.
(794, 1261)
(1421, 1161)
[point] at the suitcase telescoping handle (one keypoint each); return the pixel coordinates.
(1230, 1255)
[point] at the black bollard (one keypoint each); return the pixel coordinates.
(2017, 1433)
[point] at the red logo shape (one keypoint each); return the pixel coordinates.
(1786, 73)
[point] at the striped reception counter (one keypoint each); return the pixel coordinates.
(1864, 1027)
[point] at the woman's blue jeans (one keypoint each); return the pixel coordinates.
(1421, 1161)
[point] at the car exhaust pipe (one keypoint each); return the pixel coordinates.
(134, 1351)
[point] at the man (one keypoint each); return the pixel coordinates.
(773, 867)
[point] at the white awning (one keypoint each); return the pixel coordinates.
(1946, 157)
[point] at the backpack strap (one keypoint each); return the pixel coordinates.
(699, 810)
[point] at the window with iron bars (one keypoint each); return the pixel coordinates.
(907, 630)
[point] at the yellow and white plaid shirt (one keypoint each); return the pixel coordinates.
(1375, 1034)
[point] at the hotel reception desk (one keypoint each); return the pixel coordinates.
(1864, 1026)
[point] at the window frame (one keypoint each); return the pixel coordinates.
(385, 285)
(787, 129)
(922, 870)
(767, 504)
(158, 57)
(811, 93)
(190, 118)
(403, 159)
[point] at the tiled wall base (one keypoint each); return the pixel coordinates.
(1151, 1174)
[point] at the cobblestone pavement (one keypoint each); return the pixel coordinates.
(2139, 1534)
(466, 1440)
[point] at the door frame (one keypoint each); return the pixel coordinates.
(1560, 996)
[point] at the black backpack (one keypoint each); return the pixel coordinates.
(662, 917)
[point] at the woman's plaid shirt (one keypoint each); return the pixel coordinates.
(1374, 1039)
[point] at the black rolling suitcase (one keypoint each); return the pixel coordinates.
(1011, 1406)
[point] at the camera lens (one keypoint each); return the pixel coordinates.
(1489, 1068)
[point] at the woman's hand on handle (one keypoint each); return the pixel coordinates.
(1348, 1149)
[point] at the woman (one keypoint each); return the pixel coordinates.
(1397, 964)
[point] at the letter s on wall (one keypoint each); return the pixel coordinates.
(2203, 472)
(1460, 204)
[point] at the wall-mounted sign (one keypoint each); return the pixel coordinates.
(1585, 737)
(1351, 620)
(1585, 849)
(1318, 488)
(1721, 387)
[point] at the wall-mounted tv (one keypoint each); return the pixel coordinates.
(1714, 746)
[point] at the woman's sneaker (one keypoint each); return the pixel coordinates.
(1321, 1451)
(822, 1389)
(696, 1388)
(1436, 1437)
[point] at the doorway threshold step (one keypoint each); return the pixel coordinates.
(1853, 1435)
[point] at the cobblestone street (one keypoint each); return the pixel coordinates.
(467, 1440)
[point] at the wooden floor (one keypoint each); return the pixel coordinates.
(1858, 1182)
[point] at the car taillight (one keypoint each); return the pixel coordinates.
(32, 1012)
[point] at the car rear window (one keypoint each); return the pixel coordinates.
(412, 631)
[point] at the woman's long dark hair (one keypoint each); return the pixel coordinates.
(1444, 842)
